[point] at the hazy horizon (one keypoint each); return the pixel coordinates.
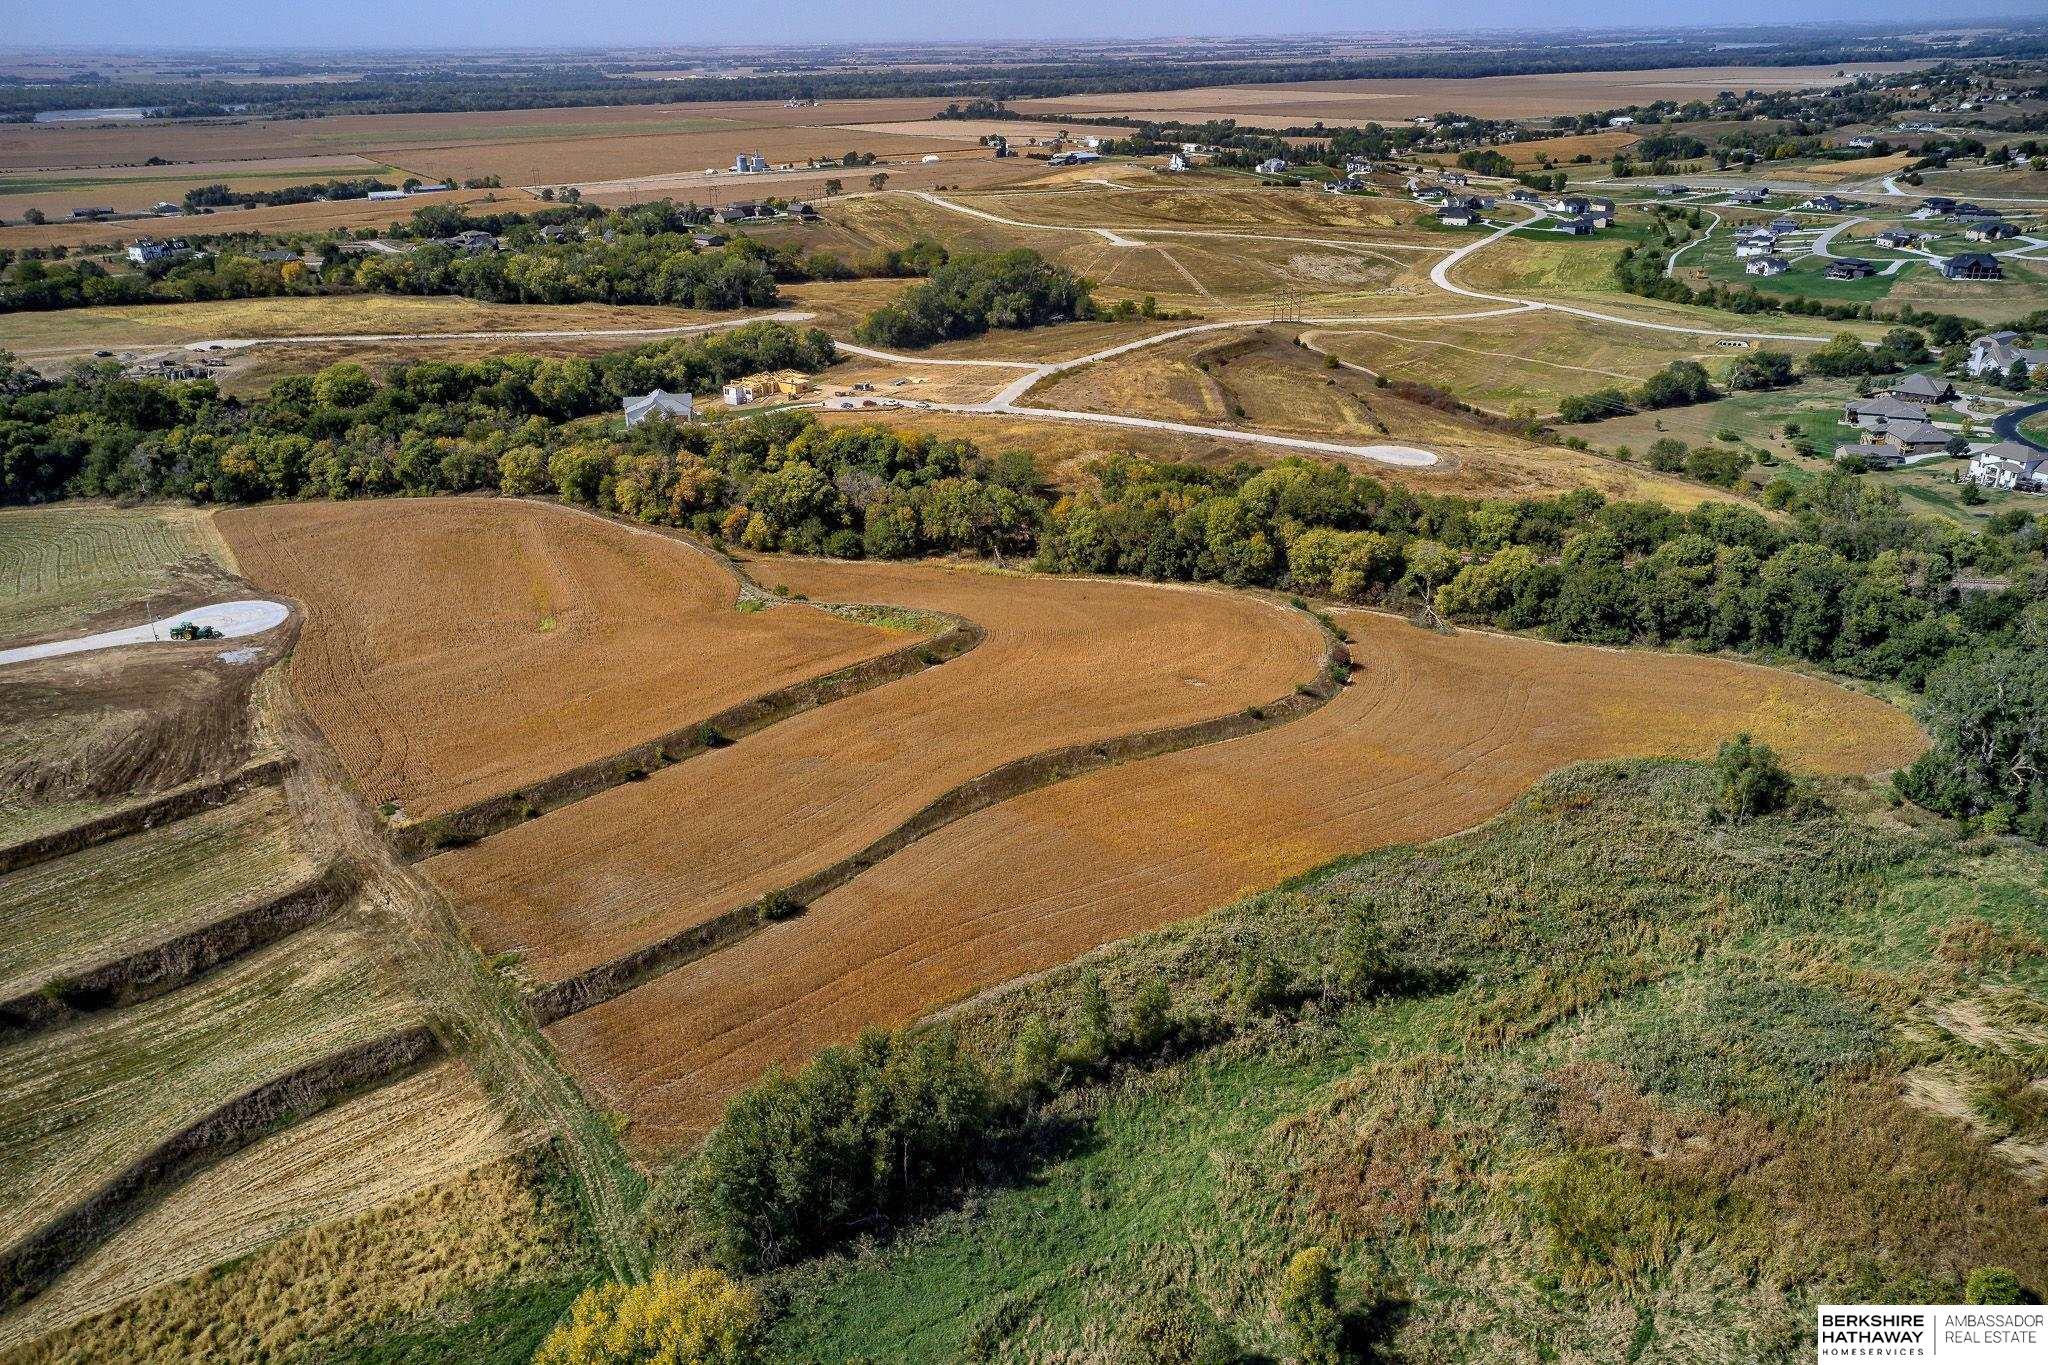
(396, 25)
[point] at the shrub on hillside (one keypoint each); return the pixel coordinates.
(698, 1317)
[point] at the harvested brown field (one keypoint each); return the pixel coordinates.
(350, 1194)
(1435, 734)
(320, 217)
(1600, 146)
(959, 167)
(80, 1105)
(1344, 102)
(131, 189)
(555, 159)
(1064, 661)
(149, 328)
(111, 900)
(460, 648)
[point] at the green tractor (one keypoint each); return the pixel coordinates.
(187, 630)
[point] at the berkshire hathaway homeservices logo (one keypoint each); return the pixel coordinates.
(1952, 1333)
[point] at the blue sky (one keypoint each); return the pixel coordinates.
(134, 24)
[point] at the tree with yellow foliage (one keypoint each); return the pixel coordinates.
(698, 1317)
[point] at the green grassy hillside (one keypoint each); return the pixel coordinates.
(1629, 1083)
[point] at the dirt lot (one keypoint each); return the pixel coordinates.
(1064, 661)
(1435, 734)
(458, 648)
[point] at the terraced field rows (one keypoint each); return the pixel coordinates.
(109, 901)
(1064, 661)
(80, 1105)
(59, 566)
(1435, 734)
(460, 648)
(383, 1146)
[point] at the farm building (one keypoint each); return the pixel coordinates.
(674, 406)
(1850, 268)
(749, 163)
(1973, 265)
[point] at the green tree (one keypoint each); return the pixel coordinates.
(1035, 1058)
(1308, 1308)
(696, 1317)
(1749, 779)
(1149, 1023)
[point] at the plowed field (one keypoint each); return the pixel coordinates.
(1064, 661)
(1434, 735)
(459, 648)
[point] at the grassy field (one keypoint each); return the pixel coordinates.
(56, 193)
(1658, 1101)
(60, 917)
(384, 1205)
(61, 566)
(322, 216)
(77, 1106)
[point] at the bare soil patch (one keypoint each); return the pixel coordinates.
(458, 648)
(1064, 661)
(1435, 734)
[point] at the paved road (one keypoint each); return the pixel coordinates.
(232, 619)
(2007, 426)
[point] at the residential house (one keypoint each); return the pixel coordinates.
(707, 240)
(739, 392)
(165, 206)
(675, 407)
(1580, 226)
(1966, 209)
(1972, 265)
(1850, 268)
(1782, 225)
(1522, 194)
(148, 250)
(1457, 215)
(1875, 414)
(1455, 178)
(559, 232)
(1357, 165)
(1671, 191)
(1621, 121)
(1898, 239)
(1862, 144)
(744, 212)
(1177, 161)
(1825, 203)
(1569, 205)
(1995, 353)
(1272, 165)
(1922, 388)
(1991, 230)
(473, 242)
(1938, 204)
(1749, 196)
(1755, 246)
(1768, 265)
(1915, 438)
(2009, 464)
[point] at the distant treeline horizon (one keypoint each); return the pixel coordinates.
(584, 84)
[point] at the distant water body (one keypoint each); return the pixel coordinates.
(90, 115)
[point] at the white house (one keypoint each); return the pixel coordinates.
(1768, 265)
(2010, 465)
(1272, 166)
(739, 393)
(1995, 353)
(1755, 246)
(674, 406)
(1177, 161)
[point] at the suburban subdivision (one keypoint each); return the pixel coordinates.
(1019, 697)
